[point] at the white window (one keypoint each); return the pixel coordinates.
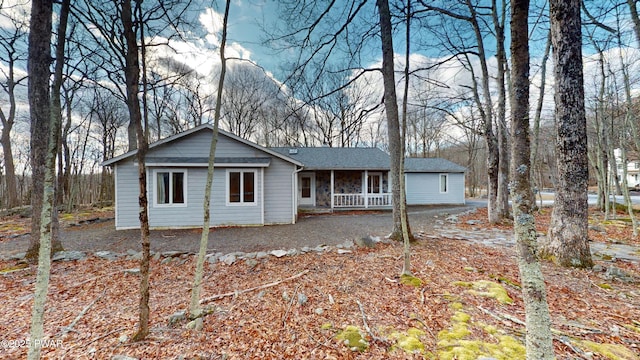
(241, 187)
(170, 187)
(444, 183)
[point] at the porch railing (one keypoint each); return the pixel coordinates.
(359, 200)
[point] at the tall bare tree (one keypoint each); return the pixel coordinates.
(132, 76)
(470, 14)
(40, 39)
(499, 16)
(539, 342)
(40, 112)
(396, 147)
(406, 232)
(195, 311)
(568, 242)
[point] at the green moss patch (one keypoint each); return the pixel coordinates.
(455, 342)
(488, 289)
(409, 341)
(632, 328)
(14, 268)
(326, 326)
(610, 351)
(410, 280)
(67, 217)
(353, 337)
(12, 227)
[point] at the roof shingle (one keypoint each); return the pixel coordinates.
(432, 165)
(330, 158)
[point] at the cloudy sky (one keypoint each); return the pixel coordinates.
(247, 21)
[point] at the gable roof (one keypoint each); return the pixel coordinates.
(196, 129)
(330, 158)
(434, 165)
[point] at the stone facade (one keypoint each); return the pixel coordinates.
(345, 182)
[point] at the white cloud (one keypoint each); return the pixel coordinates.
(14, 9)
(212, 21)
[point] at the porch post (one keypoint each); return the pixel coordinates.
(365, 189)
(332, 183)
(389, 187)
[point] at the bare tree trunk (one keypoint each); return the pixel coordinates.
(195, 310)
(406, 233)
(486, 110)
(5, 139)
(9, 166)
(64, 160)
(539, 342)
(568, 242)
(39, 108)
(625, 191)
(39, 38)
(12, 56)
(502, 204)
(132, 77)
(602, 141)
(393, 119)
(630, 127)
(538, 114)
(40, 111)
(485, 106)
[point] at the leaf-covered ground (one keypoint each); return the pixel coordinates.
(459, 312)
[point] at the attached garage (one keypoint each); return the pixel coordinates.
(434, 181)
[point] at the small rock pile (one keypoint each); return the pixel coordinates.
(181, 257)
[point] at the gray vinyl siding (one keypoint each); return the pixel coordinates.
(127, 190)
(197, 145)
(221, 214)
(278, 192)
(424, 189)
(277, 206)
(190, 215)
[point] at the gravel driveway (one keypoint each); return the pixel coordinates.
(310, 230)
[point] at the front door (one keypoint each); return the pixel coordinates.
(307, 189)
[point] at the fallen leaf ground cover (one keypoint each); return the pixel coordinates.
(92, 307)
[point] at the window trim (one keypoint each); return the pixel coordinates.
(184, 188)
(446, 183)
(228, 187)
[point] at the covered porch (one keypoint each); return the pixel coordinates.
(344, 189)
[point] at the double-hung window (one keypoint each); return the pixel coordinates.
(241, 187)
(170, 187)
